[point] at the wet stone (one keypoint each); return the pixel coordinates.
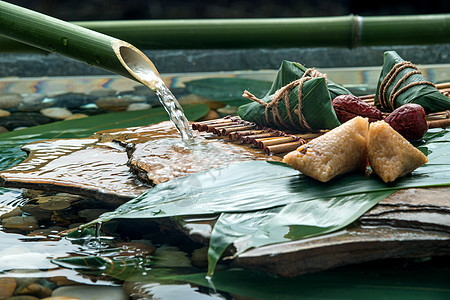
(138, 106)
(91, 292)
(113, 103)
(199, 257)
(37, 212)
(58, 201)
(24, 119)
(7, 287)
(169, 256)
(34, 102)
(56, 113)
(3, 129)
(100, 93)
(14, 213)
(73, 100)
(33, 289)
(4, 113)
(9, 100)
(62, 281)
(20, 223)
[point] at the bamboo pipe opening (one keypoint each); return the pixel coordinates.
(137, 64)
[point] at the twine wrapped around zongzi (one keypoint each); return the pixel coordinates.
(400, 82)
(389, 103)
(284, 94)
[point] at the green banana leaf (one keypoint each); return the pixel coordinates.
(228, 90)
(294, 221)
(425, 95)
(10, 142)
(317, 95)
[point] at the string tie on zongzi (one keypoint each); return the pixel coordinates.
(388, 103)
(284, 93)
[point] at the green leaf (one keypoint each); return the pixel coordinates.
(292, 222)
(227, 90)
(425, 95)
(11, 142)
(367, 281)
(317, 94)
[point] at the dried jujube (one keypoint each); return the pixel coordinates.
(348, 106)
(409, 120)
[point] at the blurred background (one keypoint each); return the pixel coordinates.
(213, 60)
(76, 10)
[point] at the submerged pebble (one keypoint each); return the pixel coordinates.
(7, 287)
(138, 106)
(33, 289)
(4, 113)
(20, 223)
(9, 100)
(56, 113)
(34, 102)
(169, 256)
(113, 103)
(91, 292)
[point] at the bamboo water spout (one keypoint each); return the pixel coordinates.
(92, 47)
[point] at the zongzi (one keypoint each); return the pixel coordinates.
(339, 151)
(390, 155)
(400, 82)
(299, 99)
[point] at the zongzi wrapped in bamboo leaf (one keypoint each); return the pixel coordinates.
(299, 99)
(339, 151)
(401, 82)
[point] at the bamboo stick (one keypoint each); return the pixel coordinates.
(226, 131)
(240, 134)
(283, 148)
(262, 143)
(76, 42)
(337, 31)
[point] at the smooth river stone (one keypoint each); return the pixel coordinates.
(32, 288)
(7, 287)
(138, 106)
(34, 102)
(24, 119)
(10, 100)
(20, 223)
(91, 292)
(4, 113)
(56, 113)
(112, 103)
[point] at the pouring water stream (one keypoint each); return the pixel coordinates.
(141, 67)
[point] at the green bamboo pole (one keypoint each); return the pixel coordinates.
(342, 31)
(51, 34)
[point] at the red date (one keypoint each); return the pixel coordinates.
(348, 106)
(409, 120)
